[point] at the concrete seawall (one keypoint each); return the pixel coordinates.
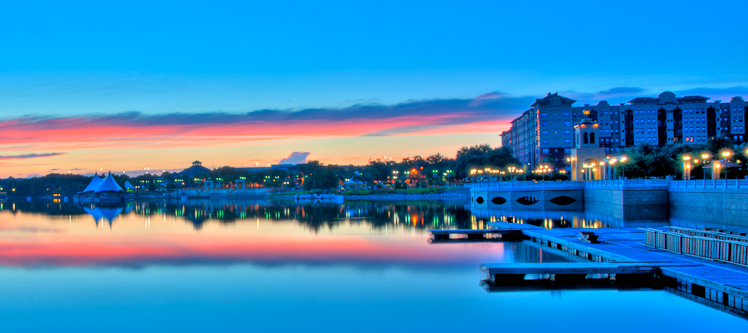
(717, 199)
(568, 196)
(730, 195)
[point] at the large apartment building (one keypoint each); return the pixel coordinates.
(546, 130)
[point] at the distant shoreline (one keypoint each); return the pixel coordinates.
(444, 196)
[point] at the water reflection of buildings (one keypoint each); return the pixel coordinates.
(314, 216)
(53, 208)
(554, 219)
(379, 216)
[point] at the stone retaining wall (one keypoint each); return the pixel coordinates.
(713, 199)
(556, 200)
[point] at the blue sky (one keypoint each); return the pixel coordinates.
(70, 59)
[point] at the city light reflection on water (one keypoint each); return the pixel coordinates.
(267, 265)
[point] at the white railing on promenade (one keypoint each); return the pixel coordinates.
(550, 185)
(628, 182)
(722, 183)
(618, 184)
(531, 185)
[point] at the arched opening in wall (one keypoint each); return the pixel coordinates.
(527, 200)
(563, 200)
(498, 200)
(586, 138)
(479, 200)
(589, 168)
(592, 137)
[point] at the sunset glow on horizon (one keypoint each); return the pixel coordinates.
(88, 87)
(129, 142)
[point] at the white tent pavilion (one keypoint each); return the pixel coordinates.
(99, 185)
(109, 185)
(129, 186)
(95, 183)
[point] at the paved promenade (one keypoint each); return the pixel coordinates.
(717, 284)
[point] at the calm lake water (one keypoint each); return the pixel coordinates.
(272, 266)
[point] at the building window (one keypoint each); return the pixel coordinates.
(545, 150)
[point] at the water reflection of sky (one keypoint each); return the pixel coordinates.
(283, 267)
(271, 234)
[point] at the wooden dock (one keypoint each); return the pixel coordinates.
(568, 268)
(715, 283)
(477, 234)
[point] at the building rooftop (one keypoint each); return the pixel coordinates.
(644, 100)
(693, 99)
(548, 99)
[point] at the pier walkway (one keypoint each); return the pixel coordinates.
(478, 234)
(717, 283)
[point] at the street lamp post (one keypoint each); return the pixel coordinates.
(572, 165)
(584, 170)
(703, 158)
(726, 155)
(686, 167)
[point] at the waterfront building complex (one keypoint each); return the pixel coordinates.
(545, 132)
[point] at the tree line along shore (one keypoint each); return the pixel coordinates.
(413, 175)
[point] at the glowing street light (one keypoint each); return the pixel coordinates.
(726, 155)
(622, 160)
(686, 167)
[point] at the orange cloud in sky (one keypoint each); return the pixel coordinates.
(121, 141)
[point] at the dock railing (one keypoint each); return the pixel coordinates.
(709, 234)
(735, 252)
